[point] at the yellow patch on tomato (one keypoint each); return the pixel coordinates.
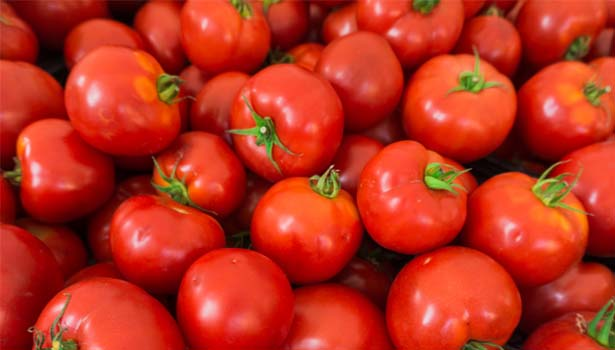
(581, 116)
(570, 94)
(145, 62)
(166, 116)
(145, 88)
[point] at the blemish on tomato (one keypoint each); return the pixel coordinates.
(570, 94)
(145, 88)
(144, 62)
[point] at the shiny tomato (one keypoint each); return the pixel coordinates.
(155, 239)
(8, 206)
(29, 276)
(459, 294)
(104, 269)
(255, 190)
(404, 177)
(340, 23)
(471, 7)
(363, 70)
(387, 131)
(354, 152)
(227, 285)
(17, 42)
(453, 99)
(288, 21)
(193, 80)
(367, 278)
(306, 55)
(279, 129)
(605, 69)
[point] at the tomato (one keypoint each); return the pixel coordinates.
(194, 79)
(471, 7)
(610, 4)
(91, 310)
(416, 29)
(466, 179)
(605, 69)
(121, 102)
(211, 111)
(453, 99)
(597, 193)
(306, 55)
(154, 240)
(388, 130)
(94, 33)
(27, 94)
(160, 27)
(340, 23)
(17, 42)
(62, 178)
(236, 37)
(104, 269)
(332, 316)
(563, 108)
(354, 152)
(537, 233)
(496, 40)
(366, 75)
(308, 226)
(585, 287)
(52, 20)
(288, 21)
(504, 5)
(279, 130)
(227, 285)
(459, 294)
(29, 276)
(551, 32)
(317, 14)
(367, 278)
(255, 190)
(8, 206)
(604, 45)
(404, 177)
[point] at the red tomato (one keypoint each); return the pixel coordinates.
(154, 240)
(62, 178)
(256, 188)
(537, 233)
(17, 42)
(159, 25)
(605, 69)
(211, 111)
(317, 14)
(29, 276)
(105, 269)
(310, 227)
(387, 131)
(551, 32)
(438, 293)
(121, 102)
(604, 45)
(27, 94)
(563, 108)
(91, 310)
(288, 21)
(597, 193)
(416, 29)
(306, 55)
(236, 35)
(332, 316)
(471, 7)
(279, 129)
(235, 299)
(94, 33)
(340, 23)
(52, 20)
(453, 99)
(363, 70)
(8, 207)
(404, 177)
(366, 278)
(194, 79)
(354, 152)
(610, 5)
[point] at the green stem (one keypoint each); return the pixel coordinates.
(240, 240)
(328, 185)
(493, 10)
(552, 191)
(578, 49)
(473, 81)
(277, 56)
(604, 335)
(267, 4)
(14, 176)
(167, 86)
(481, 345)
(593, 92)
(437, 179)
(424, 6)
(56, 332)
(243, 7)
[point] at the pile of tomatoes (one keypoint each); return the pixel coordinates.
(323, 174)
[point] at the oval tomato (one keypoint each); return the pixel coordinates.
(17, 42)
(367, 278)
(288, 21)
(340, 23)
(306, 55)
(104, 269)
(354, 152)
(8, 207)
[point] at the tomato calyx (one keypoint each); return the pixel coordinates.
(481, 345)
(424, 6)
(243, 7)
(493, 10)
(593, 92)
(277, 56)
(268, 3)
(437, 179)
(604, 335)
(578, 49)
(240, 240)
(328, 184)
(56, 332)
(473, 81)
(552, 191)
(265, 134)
(167, 86)
(14, 176)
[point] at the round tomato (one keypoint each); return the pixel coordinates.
(104, 269)
(340, 23)
(17, 42)
(354, 152)
(8, 206)
(288, 21)
(367, 278)
(306, 55)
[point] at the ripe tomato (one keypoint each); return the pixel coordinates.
(363, 70)
(8, 207)
(562, 108)
(236, 37)
(605, 69)
(404, 177)
(227, 285)
(62, 178)
(29, 276)
(279, 129)
(438, 293)
(155, 239)
(306, 55)
(367, 278)
(91, 310)
(317, 14)
(27, 94)
(104, 269)
(354, 152)
(537, 233)
(340, 23)
(17, 42)
(453, 99)
(471, 7)
(416, 29)
(387, 131)
(288, 21)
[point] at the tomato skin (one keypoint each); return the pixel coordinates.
(471, 7)
(27, 94)
(555, 118)
(29, 276)
(94, 33)
(256, 188)
(317, 14)
(306, 55)
(438, 293)
(340, 23)
(194, 79)
(414, 37)
(604, 45)
(392, 182)
(597, 193)
(363, 70)
(310, 125)
(547, 29)
(535, 243)
(63, 178)
(289, 22)
(444, 121)
(354, 152)
(17, 42)
(563, 334)
(388, 130)
(159, 25)
(605, 68)
(227, 284)
(332, 316)
(366, 278)
(102, 306)
(155, 239)
(104, 269)
(228, 41)
(8, 206)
